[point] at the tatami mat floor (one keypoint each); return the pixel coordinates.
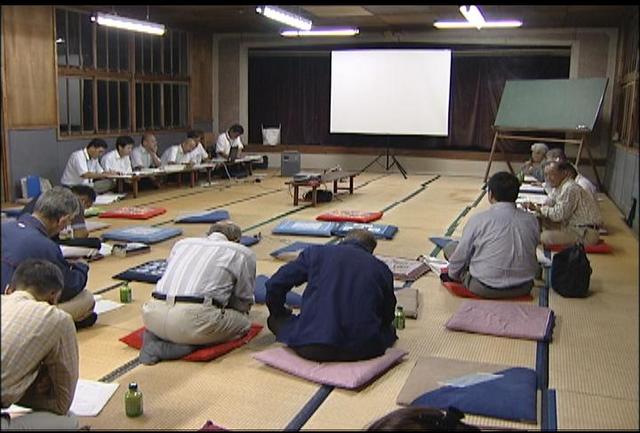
(593, 358)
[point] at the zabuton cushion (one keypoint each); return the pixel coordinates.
(350, 215)
(148, 272)
(305, 228)
(204, 217)
(407, 298)
(247, 241)
(348, 375)
(405, 269)
(206, 353)
(458, 289)
(600, 248)
(384, 231)
(133, 212)
(290, 252)
(504, 319)
(144, 234)
(492, 390)
(293, 299)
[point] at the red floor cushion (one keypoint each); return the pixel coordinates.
(206, 353)
(134, 212)
(600, 248)
(458, 289)
(350, 215)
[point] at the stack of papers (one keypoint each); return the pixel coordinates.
(533, 198)
(435, 264)
(108, 198)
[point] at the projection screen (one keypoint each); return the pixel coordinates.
(390, 91)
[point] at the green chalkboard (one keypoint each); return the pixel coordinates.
(551, 105)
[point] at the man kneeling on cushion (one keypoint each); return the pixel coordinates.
(347, 307)
(496, 256)
(204, 296)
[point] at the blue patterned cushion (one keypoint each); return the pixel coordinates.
(148, 272)
(384, 231)
(305, 228)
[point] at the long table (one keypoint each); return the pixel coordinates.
(314, 183)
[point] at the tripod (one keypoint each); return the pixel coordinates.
(388, 166)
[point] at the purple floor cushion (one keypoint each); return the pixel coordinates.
(504, 319)
(348, 375)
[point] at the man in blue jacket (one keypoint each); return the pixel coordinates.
(29, 237)
(347, 307)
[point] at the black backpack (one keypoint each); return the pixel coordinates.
(571, 272)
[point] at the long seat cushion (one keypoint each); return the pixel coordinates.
(211, 217)
(134, 212)
(442, 382)
(350, 215)
(207, 353)
(305, 228)
(503, 319)
(144, 234)
(380, 231)
(348, 375)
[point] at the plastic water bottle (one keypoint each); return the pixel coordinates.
(133, 401)
(398, 320)
(125, 294)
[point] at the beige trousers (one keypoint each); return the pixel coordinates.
(79, 306)
(187, 323)
(587, 236)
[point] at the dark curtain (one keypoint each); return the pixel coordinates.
(295, 91)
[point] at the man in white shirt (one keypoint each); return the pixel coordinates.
(118, 159)
(496, 256)
(229, 139)
(559, 155)
(205, 294)
(198, 154)
(179, 153)
(83, 167)
(146, 155)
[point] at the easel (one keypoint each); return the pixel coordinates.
(508, 135)
(388, 166)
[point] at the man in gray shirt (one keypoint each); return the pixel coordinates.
(496, 256)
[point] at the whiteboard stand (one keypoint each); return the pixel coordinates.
(389, 156)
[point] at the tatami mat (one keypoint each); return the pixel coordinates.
(577, 411)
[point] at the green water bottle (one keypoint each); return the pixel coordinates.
(133, 401)
(398, 320)
(125, 294)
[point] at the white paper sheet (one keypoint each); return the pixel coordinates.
(533, 198)
(91, 397)
(435, 264)
(104, 305)
(69, 251)
(108, 198)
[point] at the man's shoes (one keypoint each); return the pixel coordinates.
(87, 321)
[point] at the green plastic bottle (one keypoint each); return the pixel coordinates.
(133, 401)
(125, 294)
(398, 320)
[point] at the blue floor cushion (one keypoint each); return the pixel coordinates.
(148, 272)
(291, 251)
(380, 231)
(211, 217)
(144, 234)
(293, 299)
(305, 228)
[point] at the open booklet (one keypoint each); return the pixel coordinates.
(71, 252)
(435, 264)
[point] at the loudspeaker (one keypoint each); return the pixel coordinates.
(289, 163)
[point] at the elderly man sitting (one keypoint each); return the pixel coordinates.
(572, 215)
(204, 296)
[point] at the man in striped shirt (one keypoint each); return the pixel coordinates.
(39, 350)
(205, 294)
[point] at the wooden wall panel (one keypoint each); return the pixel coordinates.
(29, 66)
(201, 78)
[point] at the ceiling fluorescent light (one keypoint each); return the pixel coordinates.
(321, 32)
(284, 17)
(128, 23)
(468, 25)
(473, 15)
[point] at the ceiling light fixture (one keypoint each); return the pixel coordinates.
(475, 19)
(284, 17)
(128, 23)
(319, 31)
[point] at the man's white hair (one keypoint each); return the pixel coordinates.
(539, 147)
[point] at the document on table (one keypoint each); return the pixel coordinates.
(91, 397)
(108, 198)
(104, 305)
(533, 198)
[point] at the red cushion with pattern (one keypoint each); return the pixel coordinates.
(134, 212)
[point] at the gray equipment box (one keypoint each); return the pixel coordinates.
(289, 163)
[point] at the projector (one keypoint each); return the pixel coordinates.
(304, 176)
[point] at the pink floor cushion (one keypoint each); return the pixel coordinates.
(134, 212)
(206, 353)
(405, 269)
(458, 289)
(600, 248)
(210, 426)
(357, 216)
(503, 319)
(348, 375)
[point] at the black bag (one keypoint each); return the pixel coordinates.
(323, 196)
(571, 272)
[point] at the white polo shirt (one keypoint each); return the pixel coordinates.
(140, 157)
(78, 164)
(112, 161)
(175, 155)
(224, 144)
(198, 154)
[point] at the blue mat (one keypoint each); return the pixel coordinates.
(144, 234)
(305, 228)
(291, 248)
(260, 293)
(204, 217)
(511, 395)
(380, 231)
(247, 241)
(441, 241)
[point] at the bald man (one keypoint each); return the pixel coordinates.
(179, 153)
(146, 155)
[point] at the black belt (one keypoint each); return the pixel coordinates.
(189, 299)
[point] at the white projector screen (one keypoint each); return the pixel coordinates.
(390, 91)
